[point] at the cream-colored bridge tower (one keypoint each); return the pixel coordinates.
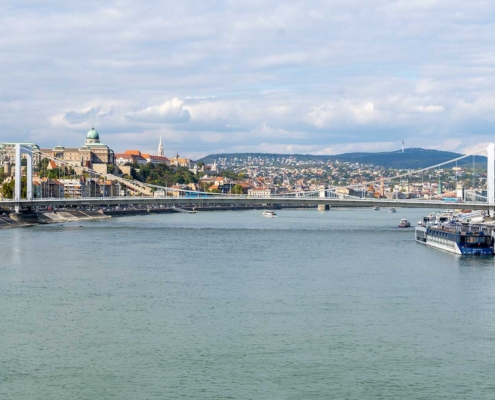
(28, 152)
(490, 178)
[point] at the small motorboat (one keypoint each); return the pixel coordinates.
(392, 210)
(269, 214)
(376, 208)
(404, 223)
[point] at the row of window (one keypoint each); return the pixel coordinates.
(443, 234)
(476, 239)
(441, 241)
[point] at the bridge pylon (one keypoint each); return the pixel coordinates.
(490, 178)
(19, 151)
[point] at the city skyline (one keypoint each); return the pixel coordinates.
(260, 77)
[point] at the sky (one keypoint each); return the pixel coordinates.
(319, 77)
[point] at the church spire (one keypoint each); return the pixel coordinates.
(160, 148)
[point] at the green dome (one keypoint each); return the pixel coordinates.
(92, 134)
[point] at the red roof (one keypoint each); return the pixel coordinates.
(158, 158)
(124, 156)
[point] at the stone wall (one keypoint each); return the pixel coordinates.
(125, 169)
(100, 168)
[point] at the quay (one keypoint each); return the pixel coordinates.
(24, 219)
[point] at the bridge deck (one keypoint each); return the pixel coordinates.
(334, 202)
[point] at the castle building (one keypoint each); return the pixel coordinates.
(93, 153)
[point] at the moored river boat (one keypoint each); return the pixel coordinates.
(458, 238)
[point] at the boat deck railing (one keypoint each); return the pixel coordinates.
(461, 229)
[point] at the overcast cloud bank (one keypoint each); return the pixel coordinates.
(319, 77)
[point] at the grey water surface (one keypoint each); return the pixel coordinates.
(229, 305)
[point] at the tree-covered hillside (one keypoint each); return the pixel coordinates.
(162, 175)
(411, 158)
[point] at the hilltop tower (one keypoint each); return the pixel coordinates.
(160, 148)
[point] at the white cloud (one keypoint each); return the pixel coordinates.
(171, 111)
(359, 147)
(280, 60)
(321, 76)
(429, 109)
(343, 112)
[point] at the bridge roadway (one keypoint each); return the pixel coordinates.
(244, 200)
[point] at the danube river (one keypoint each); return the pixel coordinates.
(229, 305)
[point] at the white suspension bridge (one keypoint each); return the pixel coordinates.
(144, 193)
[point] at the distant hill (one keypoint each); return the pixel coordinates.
(412, 158)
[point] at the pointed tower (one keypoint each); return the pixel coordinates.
(160, 148)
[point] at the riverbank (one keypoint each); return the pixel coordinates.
(51, 217)
(6, 223)
(57, 217)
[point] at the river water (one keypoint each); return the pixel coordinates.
(229, 305)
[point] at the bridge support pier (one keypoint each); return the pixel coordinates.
(323, 207)
(25, 216)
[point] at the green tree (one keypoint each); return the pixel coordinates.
(3, 175)
(228, 174)
(237, 189)
(162, 175)
(43, 164)
(9, 188)
(232, 175)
